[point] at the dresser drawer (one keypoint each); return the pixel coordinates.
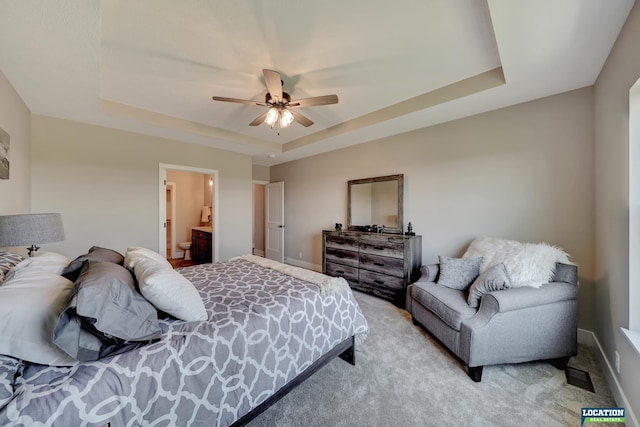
(384, 248)
(380, 281)
(342, 242)
(342, 256)
(381, 264)
(339, 270)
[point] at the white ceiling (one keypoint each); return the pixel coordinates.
(152, 66)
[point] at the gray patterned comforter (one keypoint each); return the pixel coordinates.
(264, 328)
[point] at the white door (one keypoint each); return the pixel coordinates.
(274, 219)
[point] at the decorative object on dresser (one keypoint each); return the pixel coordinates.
(376, 263)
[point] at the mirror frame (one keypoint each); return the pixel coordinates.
(360, 227)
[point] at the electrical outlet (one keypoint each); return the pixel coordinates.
(617, 362)
(300, 254)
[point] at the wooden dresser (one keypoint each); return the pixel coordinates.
(380, 264)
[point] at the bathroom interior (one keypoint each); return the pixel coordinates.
(189, 217)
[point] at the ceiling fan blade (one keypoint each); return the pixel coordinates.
(239, 101)
(314, 101)
(301, 119)
(274, 84)
(258, 120)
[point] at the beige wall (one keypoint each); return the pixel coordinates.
(523, 172)
(105, 183)
(15, 119)
(260, 173)
(611, 105)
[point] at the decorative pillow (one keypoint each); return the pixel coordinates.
(169, 291)
(105, 314)
(43, 261)
(30, 303)
(458, 273)
(136, 253)
(528, 264)
(495, 278)
(8, 260)
(566, 273)
(96, 253)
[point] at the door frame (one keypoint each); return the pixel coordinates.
(162, 206)
(172, 185)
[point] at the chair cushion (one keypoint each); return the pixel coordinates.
(450, 305)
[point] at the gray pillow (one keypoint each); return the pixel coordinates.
(105, 314)
(458, 273)
(566, 273)
(494, 278)
(96, 253)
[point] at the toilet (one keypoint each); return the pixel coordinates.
(186, 247)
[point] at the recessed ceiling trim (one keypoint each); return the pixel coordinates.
(478, 83)
(151, 117)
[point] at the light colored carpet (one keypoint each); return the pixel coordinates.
(404, 378)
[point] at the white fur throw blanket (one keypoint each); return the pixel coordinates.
(528, 264)
(326, 284)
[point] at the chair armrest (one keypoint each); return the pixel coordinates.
(429, 273)
(525, 297)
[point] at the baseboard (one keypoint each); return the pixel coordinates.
(304, 264)
(589, 338)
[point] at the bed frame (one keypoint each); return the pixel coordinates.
(346, 350)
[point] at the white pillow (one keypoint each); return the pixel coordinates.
(43, 261)
(135, 253)
(169, 290)
(30, 303)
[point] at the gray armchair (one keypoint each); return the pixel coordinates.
(509, 326)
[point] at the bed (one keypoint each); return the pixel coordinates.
(268, 327)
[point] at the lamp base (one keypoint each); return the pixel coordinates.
(32, 249)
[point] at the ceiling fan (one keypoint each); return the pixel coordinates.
(280, 106)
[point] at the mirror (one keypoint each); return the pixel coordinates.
(376, 202)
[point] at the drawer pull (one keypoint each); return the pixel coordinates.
(339, 256)
(340, 271)
(378, 248)
(379, 264)
(379, 282)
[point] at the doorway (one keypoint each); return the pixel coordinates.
(194, 195)
(257, 242)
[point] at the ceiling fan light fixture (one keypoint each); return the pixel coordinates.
(286, 118)
(278, 103)
(272, 116)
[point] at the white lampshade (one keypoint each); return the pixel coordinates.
(30, 229)
(272, 116)
(286, 118)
